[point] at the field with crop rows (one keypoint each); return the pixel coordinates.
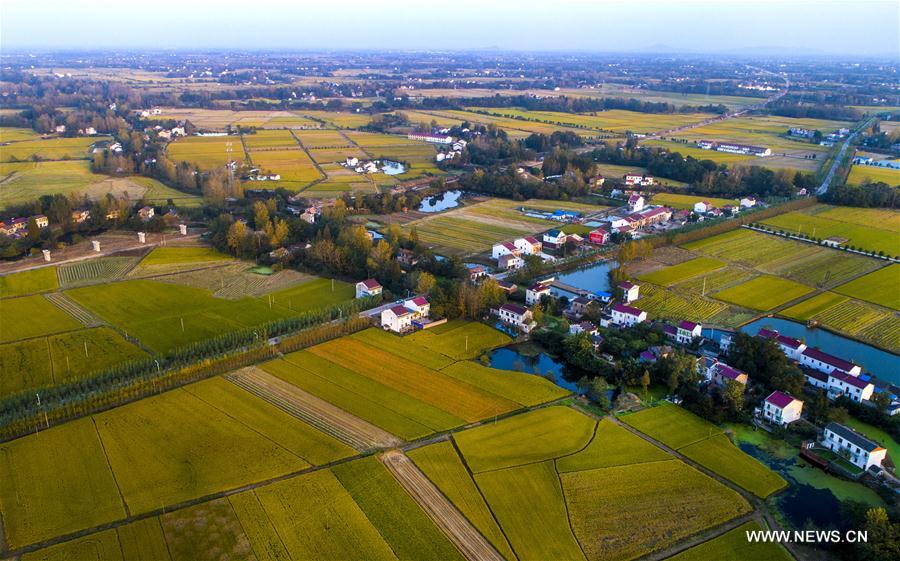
(733, 545)
(763, 293)
(867, 228)
(671, 304)
(91, 271)
(677, 273)
(873, 174)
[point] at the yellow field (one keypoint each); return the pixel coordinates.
(866, 174)
(206, 152)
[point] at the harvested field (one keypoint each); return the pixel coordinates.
(319, 413)
(454, 525)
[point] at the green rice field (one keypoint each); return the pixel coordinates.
(28, 282)
(870, 229)
(734, 545)
(763, 293)
(683, 271)
(881, 287)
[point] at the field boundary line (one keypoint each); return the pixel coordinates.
(75, 310)
(310, 156)
(109, 465)
(470, 542)
(701, 537)
(469, 471)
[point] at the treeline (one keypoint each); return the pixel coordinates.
(567, 104)
(786, 107)
(867, 195)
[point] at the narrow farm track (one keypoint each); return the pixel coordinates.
(331, 420)
(458, 529)
(74, 309)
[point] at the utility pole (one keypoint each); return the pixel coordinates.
(182, 325)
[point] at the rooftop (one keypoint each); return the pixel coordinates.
(828, 359)
(780, 399)
(853, 437)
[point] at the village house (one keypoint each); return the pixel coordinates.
(419, 306)
(60, 129)
(630, 291)
(554, 239)
(687, 331)
(508, 287)
(781, 408)
(635, 203)
(534, 292)
(13, 227)
(598, 236)
(146, 213)
(853, 387)
(41, 220)
(516, 316)
(789, 346)
(309, 215)
(702, 207)
(706, 366)
(639, 179)
(748, 202)
(510, 262)
(81, 216)
(858, 449)
(627, 316)
(528, 245)
(476, 272)
(721, 373)
(578, 306)
(597, 181)
(368, 287)
(583, 327)
(503, 248)
(396, 318)
(406, 257)
(432, 138)
(824, 362)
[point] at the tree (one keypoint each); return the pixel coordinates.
(425, 283)
(236, 235)
(645, 381)
(260, 215)
(733, 395)
(280, 233)
(883, 542)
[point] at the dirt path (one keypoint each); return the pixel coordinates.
(331, 420)
(460, 531)
(74, 309)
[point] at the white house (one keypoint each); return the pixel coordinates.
(630, 291)
(840, 383)
(517, 316)
(555, 237)
(791, 347)
(510, 262)
(396, 318)
(432, 138)
(824, 362)
(583, 327)
(687, 331)
(748, 202)
(781, 408)
(534, 293)
(635, 203)
(720, 373)
(419, 306)
(368, 287)
(504, 248)
(528, 246)
(702, 207)
(858, 449)
(627, 316)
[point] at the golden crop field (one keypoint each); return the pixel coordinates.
(206, 152)
(873, 174)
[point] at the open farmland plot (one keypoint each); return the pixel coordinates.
(683, 271)
(525, 390)
(763, 293)
(869, 229)
(56, 482)
(670, 304)
(157, 193)
(466, 341)
(310, 295)
(323, 139)
(873, 174)
(28, 282)
(206, 152)
(880, 287)
(611, 446)
(49, 149)
(716, 280)
(173, 255)
(460, 235)
(15, 134)
(809, 308)
(156, 311)
(862, 321)
(23, 182)
(721, 456)
(616, 120)
(733, 545)
(43, 318)
(338, 119)
(686, 149)
(662, 501)
(102, 546)
(673, 426)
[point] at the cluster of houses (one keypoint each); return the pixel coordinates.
(706, 209)
(169, 134)
(17, 227)
(641, 216)
(455, 150)
(256, 175)
(360, 166)
(734, 148)
(828, 139)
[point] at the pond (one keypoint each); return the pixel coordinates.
(392, 168)
(594, 277)
(441, 201)
(812, 495)
(539, 363)
(881, 363)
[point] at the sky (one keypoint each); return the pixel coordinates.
(800, 27)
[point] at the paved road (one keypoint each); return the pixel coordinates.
(826, 183)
